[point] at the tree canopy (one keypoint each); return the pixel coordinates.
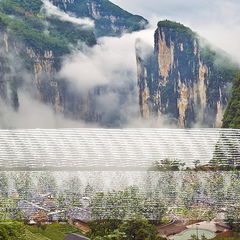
(124, 213)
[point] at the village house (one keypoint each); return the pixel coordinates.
(13, 192)
(40, 200)
(36, 213)
(79, 217)
(32, 211)
(202, 200)
(32, 192)
(56, 216)
(66, 203)
(47, 205)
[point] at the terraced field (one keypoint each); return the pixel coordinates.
(54, 231)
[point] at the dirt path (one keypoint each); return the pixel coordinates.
(174, 228)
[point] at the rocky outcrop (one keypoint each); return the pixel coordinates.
(109, 19)
(186, 83)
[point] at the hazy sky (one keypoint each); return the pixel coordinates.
(216, 20)
(119, 157)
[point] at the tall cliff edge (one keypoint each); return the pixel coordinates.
(187, 80)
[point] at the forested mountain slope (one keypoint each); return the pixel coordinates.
(226, 154)
(34, 40)
(109, 18)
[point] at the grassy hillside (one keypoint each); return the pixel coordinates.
(54, 231)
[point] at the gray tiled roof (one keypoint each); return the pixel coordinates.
(73, 236)
(79, 214)
(32, 192)
(29, 208)
(37, 198)
(66, 202)
(203, 198)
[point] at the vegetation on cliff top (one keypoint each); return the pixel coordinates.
(42, 33)
(189, 48)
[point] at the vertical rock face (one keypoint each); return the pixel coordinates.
(190, 83)
(52, 90)
(109, 19)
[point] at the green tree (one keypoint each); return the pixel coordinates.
(21, 191)
(154, 210)
(196, 163)
(43, 227)
(201, 187)
(60, 200)
(26, 184)
(171, 193)
(75, 201)
(135, 226)
(116, 235)
(3, 176)
(73, 185)
(157, 184)
(168, 165)
(33, 187)
(47, 182)
(110, 208)
(11, 231)
(183, 187)
(187, 199)
(216, 188)
(39, 224)
(14, 211)
(4, 184)
(88, 189)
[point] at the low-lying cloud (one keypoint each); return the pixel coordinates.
(113, 158)
(49, 9)
(111, 61)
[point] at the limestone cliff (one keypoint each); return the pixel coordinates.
(43, 83)
(190, 82)
(109, 19)
(33, 45)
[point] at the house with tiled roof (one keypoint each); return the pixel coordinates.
(79, 217)
(32, 211)
(13, 192)
(40, 199)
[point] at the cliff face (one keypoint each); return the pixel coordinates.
(43, 82)
(188, 82)
(32, 46)
(110, 20)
